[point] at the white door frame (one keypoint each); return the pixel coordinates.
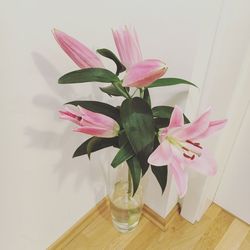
(219, 76)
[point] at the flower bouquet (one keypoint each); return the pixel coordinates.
(161, 138)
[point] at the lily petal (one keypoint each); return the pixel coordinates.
(97, 119)
(90, 122)
(212, 128)
(194, 129)
(176, 119)
(205, 164)
(144, 73)
(180, 176)
(77, 51)
(128, 46)
(70, 115)
(161, 155)
(96, 131)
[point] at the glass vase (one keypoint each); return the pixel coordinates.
(125, 207)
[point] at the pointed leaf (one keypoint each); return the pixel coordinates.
(138, 123)
(123, 139)
(137, 120)
(89, 75)
(165, 112)
(124, 154)
(146, 97)
(168, 82)
(161, 174)
(161, 122)
(111, 91)
(99, 107)
(109, 54)
(121, 89)
(95, 145)
(135, 171)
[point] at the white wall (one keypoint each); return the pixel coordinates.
(44, 191)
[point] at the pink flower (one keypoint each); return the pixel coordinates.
(128, 46)
(140, 73)
(77, 51)
(144, 73)
(179, 147)
(91, 123)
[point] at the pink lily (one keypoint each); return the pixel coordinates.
(140, 73)
(144, 73)
(128, 46)
(77, 51)
(91, 123)
(179, 147)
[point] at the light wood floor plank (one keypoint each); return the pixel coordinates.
(181, 234)
(245, 245)
(123, 239)
(143, 239)
(234, 236)
(215, 232)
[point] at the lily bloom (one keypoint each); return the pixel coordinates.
(179, 147)
(144, 73)
(128, 46)
(140, 73)
(77, 51)
(90, 122)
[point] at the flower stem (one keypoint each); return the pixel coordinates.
(134, 93)
(129, 183)
(142, 92)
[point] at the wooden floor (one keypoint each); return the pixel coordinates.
(217, 230)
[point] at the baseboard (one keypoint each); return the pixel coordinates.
(157, 219)
(70, 234)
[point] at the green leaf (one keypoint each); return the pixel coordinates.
(165, 112)
(146, 97)
(137, 120)
(161, 174)
(93, 75)
(121, 89)
(124, 154)
(135, 171)
(99, 107)
(89, 75)
(162, 111)
(95, 145)
(168, 82)
(161, 122)
(122, 138)
(111, 91)
(109, 54)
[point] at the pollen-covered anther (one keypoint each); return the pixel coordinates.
(188, 156)
(196, 144)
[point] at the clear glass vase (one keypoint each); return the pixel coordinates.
(125, 207)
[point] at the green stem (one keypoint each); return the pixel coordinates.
(142, 92)
(130, 188)
(129, 97)
(134, 93)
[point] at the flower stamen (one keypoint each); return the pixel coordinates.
(189, 157)
(196, 144)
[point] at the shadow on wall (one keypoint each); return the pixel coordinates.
(67, 141)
